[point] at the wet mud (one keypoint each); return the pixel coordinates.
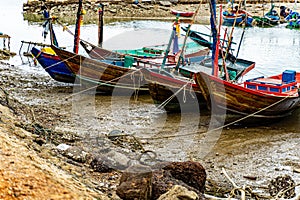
(251, 155)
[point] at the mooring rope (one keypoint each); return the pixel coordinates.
(60, 62)
(106, 83)
(218, 128)
(184, 96)
(140, 79)
(163, 104)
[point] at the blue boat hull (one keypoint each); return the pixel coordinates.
(53, 66)
(230, 19)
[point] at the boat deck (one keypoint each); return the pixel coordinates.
(272, 85)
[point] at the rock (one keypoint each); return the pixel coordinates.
(99, 165)
(135, 183)
(191, 173)
(115, 134)
(76, 153)
(145, 7)
(63, 147)
(105, 162)
(164, 9)
(163, 181)
(163, 177)
(178, 192)
(135, 6)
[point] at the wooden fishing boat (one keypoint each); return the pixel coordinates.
(177, 90)
(47, 58)
(198, 38)
(292, 18)
(176, 93)
(149, 52)
(111, 73)
(99, 53)
(53, 65)
(157, 51)
(264, 97)
(239, 18)
(270, 19)
(266, 21)
(182, 13)
(172, 92)
(145, 52)
(58, 70)
(104, 75)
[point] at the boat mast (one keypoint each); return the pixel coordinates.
(77, 27)
(100, 24)
(186, 36)
(49, 26)
(216, 63)
(214, 35)
(169, 45)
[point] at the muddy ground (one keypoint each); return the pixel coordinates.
(56, 115)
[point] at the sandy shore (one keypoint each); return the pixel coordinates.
(27, 171)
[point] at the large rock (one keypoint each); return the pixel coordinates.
(163, 181)
(142, 183)
(191, 173)
(135, 183)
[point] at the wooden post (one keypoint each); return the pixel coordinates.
(100, 24)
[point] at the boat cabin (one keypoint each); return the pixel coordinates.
(277, 84)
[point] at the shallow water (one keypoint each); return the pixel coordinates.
(265, 151)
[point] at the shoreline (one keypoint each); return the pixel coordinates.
(129, 11)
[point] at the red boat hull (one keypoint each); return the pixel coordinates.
(182, 13)
(173, 94)
(237, 99)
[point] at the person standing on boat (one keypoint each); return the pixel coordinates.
(283, 13)
(46, 23)
(236, 9)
